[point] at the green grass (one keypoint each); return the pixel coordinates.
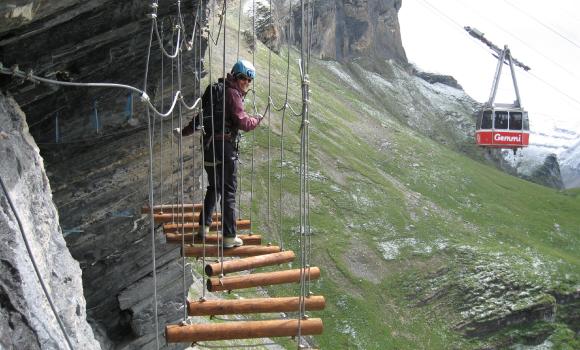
(445, 212)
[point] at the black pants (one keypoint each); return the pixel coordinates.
(214, 168)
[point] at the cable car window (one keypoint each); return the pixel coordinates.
(526, 121)
(501, 120)
(486, 120)
(515, 120)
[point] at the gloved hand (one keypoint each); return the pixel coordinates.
(177, 133)
(259, 117)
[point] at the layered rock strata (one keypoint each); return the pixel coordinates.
(95, 144)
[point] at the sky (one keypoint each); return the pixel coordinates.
(544, 35)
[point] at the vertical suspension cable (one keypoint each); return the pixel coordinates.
(305, 268)
(252, 173)
(239, 29)
(288, 40)
(269, 190)
(151, 201)
(213, 141)
(196, 84)
(310, 24)
(239, 167)
(161, 123)
(173, 186)
(221, 253)
(181, 218)
(201, 115)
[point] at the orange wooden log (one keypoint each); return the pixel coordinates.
(187, 217)
(176, 207)
(190, 226)
(241, 330)
(249, 263)
(212, 251)
(253, 306)
(175, 238)
(215, 284)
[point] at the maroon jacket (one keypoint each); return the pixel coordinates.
(235, 106)
(235, 114)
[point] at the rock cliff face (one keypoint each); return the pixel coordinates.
(81, 41)
(26, 318)
(549, 173)
(347, 29)
(570, 166)
(94, 143)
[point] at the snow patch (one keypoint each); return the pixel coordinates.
(378, 81)
(546, 345)
(22, 12)
(440, 88)
(392, 249)
(336, 69)
(248, 6)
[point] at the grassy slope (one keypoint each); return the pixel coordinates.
(402, 225)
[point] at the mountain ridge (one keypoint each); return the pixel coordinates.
(421, 242)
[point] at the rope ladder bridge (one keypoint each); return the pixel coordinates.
(181, 223)
(180, 219)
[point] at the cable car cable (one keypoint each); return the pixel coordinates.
(556, 89)
(434, 9)
(529, 46)
(542, 24)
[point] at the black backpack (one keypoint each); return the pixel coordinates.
(213, 93)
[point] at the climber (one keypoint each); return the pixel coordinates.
(237, 84)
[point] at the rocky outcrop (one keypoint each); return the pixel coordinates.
(347, 29)
(268, 26)
(549, 173)
(543, 309)
(433, 78)
(570, 166)
(26, 318)
(99, 174)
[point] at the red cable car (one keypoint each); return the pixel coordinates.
(502, 125)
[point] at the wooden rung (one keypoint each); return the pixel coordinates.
(253, 306)
(191, 226)
(175, 238)
(241, 330)
(249, 263)
(187, 217)
(212, 251)
(215, 284)
(168, 207)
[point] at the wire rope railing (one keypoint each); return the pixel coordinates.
(177, 105)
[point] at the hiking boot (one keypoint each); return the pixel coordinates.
(203, 231)
(230, 242)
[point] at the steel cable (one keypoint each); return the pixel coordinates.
(253, 147)
(151, 199)
(35, 265)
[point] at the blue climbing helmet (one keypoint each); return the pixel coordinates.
(244, 68)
